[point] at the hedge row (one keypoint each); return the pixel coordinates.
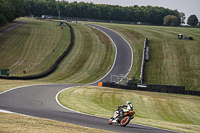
(50, 69)
(153, 88)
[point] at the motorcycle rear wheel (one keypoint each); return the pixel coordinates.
(125, 121)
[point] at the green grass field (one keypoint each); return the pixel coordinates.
(27, 46)
(90, 59)
(168, 111)
(172, 61)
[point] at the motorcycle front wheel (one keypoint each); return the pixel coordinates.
(125, 121)
(110, 122)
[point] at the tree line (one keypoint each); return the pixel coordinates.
(10, 10)
(145, 14)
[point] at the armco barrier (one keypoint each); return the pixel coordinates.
(50, 69)
(153, 88)
(143, 65)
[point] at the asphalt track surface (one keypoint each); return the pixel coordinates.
(12, 27)
(123, 58)
(40, 100)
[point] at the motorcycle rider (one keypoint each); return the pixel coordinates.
(120, 111)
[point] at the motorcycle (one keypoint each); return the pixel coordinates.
(123, 119)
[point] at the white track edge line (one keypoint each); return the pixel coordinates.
(56, 98)
(116, 51)
(114, 59)
(115, 46)
(102, 78)
(21, 87)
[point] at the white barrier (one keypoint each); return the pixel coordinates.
(143, 62)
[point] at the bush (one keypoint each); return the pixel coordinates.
(192, 20)
(170, 20)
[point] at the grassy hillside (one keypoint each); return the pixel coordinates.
(168, 111)
(90, 59)
(172, 61)
(30, 47)
(26, 47)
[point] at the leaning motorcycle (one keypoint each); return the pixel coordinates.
(122, 119)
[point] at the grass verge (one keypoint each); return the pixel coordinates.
(17, 123)
(3, 27)
(168, 111)
(10, 84)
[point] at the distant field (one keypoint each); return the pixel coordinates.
(168, 111)
(172, 61)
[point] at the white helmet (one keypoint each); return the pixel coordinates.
(128, 102)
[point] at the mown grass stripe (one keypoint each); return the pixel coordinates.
(168, 111)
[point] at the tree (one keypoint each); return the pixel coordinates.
(2, 19)
(17, 4)
(148, 14)
(7, 10)
(192, 20)
(170, 20)
(182, 17)
(10, 10)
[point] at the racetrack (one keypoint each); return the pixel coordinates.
(40, 100)
(124, 55)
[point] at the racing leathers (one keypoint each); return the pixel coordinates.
(121, 111)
